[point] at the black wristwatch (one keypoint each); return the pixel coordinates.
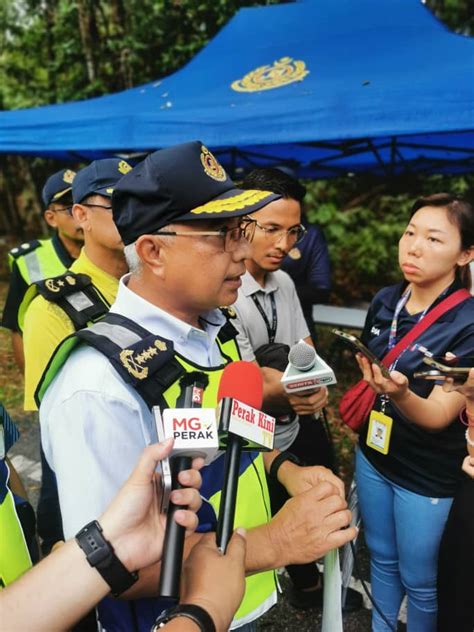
(278, 460)
(197, 614)
(101, 556)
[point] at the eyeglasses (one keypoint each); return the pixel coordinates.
(107, 208)
(273, 233)
(232, 237)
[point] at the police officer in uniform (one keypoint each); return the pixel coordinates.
(41, 258)
(180, 217)
(69, 301)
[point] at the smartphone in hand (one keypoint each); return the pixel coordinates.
(359, 347)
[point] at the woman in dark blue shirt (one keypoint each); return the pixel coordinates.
(409, 459)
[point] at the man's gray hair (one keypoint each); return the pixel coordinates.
(135, 264)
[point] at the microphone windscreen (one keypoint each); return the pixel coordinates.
(243, 381)
(302, 356)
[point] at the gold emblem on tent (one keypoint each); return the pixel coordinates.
(211, 166)
(124, 167)
(136, 364)
(284, 71)
(69, 176)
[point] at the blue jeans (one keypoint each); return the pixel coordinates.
(403, 532)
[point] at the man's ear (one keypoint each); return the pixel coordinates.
(50, 218)
(151, 251)
(81, 214)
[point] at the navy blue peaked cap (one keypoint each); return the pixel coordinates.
(99, 178)
(57, 186)
(180, 183)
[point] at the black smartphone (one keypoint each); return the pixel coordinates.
(440, 371)
(359, 347)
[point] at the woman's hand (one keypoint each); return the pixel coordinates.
(468, 466)
(396, 387)
(466, 388)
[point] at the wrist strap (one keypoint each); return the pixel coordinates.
(432, 316)
(101, 556)
(278, 460)
(197, 614)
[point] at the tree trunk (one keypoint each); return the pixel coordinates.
(86, 30)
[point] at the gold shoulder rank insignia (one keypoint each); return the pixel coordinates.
(135, 363)
(52, 285)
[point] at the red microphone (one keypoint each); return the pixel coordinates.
(241, 426)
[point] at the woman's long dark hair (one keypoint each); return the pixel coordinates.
(461, 214)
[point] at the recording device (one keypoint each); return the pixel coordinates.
(306, 370)
(195, 435)
(242, 426)
(358, 346)
(440, 371)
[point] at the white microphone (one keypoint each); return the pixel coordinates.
(306, 370)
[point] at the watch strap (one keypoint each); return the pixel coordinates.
(278, 460)
(197, 614)
(101, 556)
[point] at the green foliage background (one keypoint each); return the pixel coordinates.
(53, 51)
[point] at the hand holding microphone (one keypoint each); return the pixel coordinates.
(305, 379)
(195, 435)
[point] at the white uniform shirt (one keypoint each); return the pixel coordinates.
(94, 426)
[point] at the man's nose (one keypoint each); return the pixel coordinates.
(243, 250)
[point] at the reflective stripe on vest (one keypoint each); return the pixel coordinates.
(14, 556)
(40, 263)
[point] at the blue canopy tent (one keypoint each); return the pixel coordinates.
(327, 86)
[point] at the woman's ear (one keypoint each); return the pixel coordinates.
(150, 250)
(466, 256)
(82, 216)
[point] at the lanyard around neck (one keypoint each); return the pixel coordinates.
(271, 329)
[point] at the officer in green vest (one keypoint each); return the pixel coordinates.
(186, 237)
(40, 258)
(18, 548)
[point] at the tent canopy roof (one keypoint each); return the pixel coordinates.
(372, 85)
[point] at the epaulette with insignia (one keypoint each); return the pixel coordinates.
(57, 287)
(76, 295)
(24, 249)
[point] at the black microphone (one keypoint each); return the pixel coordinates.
(241, 427)
(195, 434)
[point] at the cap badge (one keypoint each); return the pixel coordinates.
(68, 176)
(136, 363)
(295, 254)
(124, 167)
(282, 72)
(211, 166)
